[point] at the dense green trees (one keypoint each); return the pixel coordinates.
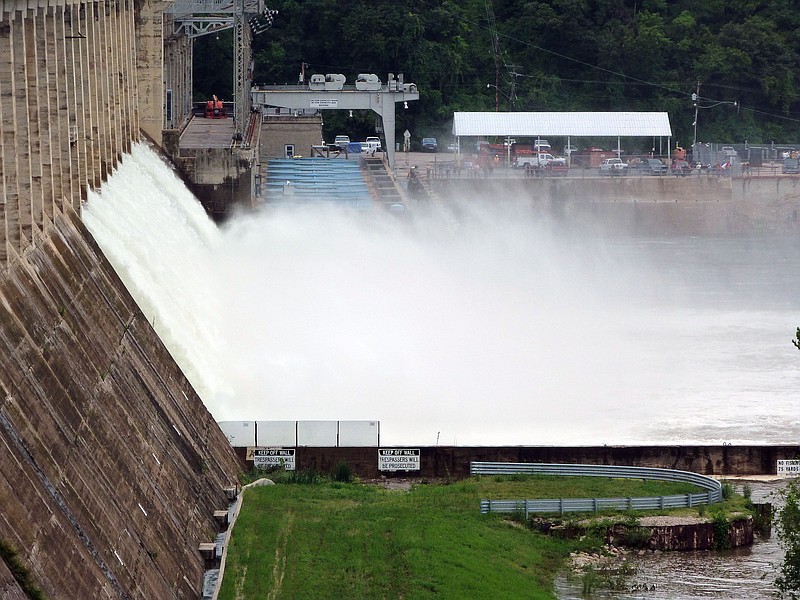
(558, 55)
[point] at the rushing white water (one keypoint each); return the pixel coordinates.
(501, 331)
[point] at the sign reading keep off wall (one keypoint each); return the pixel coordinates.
(266, 458)
(398, 459)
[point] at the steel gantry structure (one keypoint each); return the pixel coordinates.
(196, 18)
(329, 92)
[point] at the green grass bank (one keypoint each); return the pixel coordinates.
(349, 540)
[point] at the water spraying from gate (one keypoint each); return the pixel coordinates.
(503, 330)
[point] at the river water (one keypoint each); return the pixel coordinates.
(739, 574)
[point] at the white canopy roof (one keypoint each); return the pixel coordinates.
(579, 124)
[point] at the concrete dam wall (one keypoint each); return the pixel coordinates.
(696, 205)
(111, 466)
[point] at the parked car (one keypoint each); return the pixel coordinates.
(652, 166)
(429, 145)
(613, 166)
(374, 142)
(791, 166)
(341, 141)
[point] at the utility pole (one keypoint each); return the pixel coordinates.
(512, 98)
(495, 53)
(696, 100)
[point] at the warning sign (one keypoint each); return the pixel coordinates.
(789, 467)
(267, 458)
(398, 459)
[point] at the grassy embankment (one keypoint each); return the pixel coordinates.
(347, 540)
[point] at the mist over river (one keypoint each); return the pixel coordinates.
(494, 329)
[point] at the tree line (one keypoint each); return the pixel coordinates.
(563, 55)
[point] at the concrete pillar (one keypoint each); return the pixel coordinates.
(103, 90)
(42, 123)
(62, 159)
(21, 214)
(75, 48)
(55, 114)
(8, 187)
(89, 106)
(150, 66)
(93, 95)
(387, 116)
(32, 68)
(116, 77)
(131, 85)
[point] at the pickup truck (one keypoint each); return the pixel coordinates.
(613, 166)
(533, 160)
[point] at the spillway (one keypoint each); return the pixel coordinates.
(505, 330)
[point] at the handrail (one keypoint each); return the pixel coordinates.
(562, 505)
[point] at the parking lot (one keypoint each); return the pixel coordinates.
(447, 165)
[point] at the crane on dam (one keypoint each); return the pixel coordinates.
(196, 18)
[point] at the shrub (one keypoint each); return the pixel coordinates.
(343, 473)
(637, 537)
(303, 477)
(722, 533)
(747, 491)
(727, 490)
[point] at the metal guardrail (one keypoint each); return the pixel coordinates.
(563, 505)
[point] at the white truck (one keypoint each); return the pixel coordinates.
(533, 159)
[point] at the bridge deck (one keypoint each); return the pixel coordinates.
(207, 133)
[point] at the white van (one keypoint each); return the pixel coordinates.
(374, 142)
(341, 141)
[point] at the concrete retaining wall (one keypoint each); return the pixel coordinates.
(694, 536)
(453, 461)
(697, 205)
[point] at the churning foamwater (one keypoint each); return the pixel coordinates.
(500, 331)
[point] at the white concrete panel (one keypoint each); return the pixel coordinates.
(317, 433)
(239, 433)
(358, 433)
(277, 433)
